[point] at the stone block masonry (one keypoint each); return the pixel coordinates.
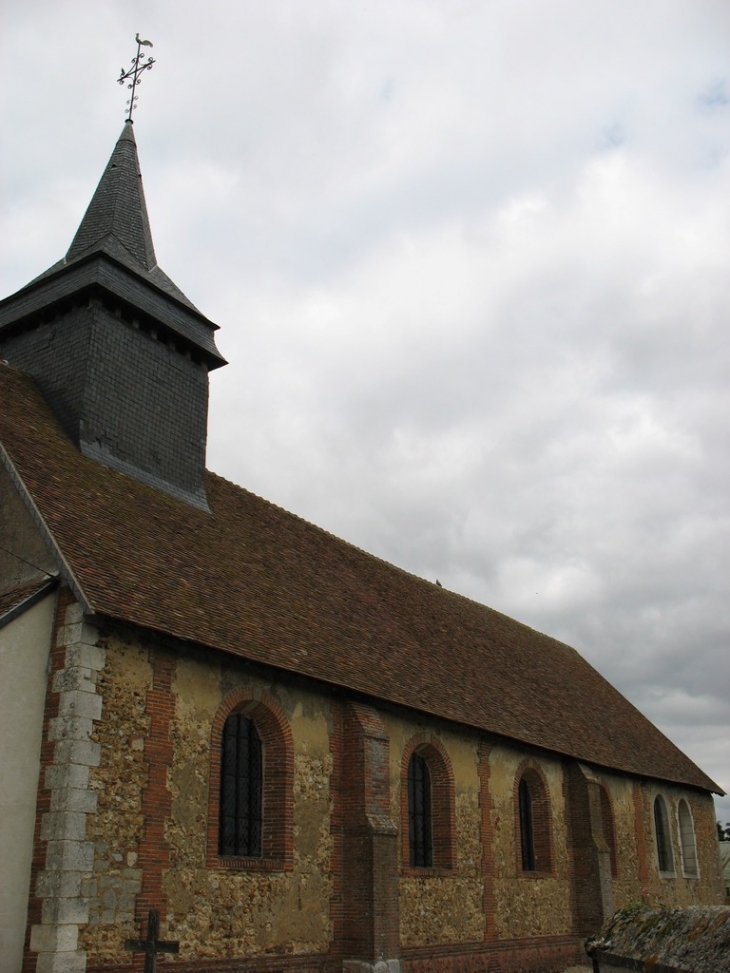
(61, 906)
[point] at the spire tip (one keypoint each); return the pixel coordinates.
(138, 66)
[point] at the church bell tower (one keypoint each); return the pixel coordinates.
(120, 354)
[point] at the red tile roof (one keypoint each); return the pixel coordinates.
(14, 597)
(255, 581)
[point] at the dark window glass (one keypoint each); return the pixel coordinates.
(665, 858)
(608, 830)
(241, 786)
(527, 835)
(419, 813)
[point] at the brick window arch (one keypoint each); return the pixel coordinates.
(250, 788)
(609, 830)
(687, 843)
(663, 836)
(532, 805)
(428, 819)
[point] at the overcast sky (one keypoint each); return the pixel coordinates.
(471, 264)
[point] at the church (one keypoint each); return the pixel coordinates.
(230, 741)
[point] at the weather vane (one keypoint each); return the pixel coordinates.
(138, 66)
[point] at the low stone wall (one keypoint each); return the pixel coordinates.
(692, 940)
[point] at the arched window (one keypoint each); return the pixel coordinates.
(527, 834)
(609, 832)
(250, 793)
(241, 791)
(687, 840)
(665, 858)
(420, 838)
(533, 823)
(427, 805)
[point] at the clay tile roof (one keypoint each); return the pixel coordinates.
(255, 581)
(17, 596)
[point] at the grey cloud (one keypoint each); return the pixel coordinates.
(470, 262)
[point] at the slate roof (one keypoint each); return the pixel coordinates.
(257, 582)
(113, 250)
(116, 222)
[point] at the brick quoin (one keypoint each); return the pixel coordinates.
(585, 879)
(154, 852)
(43, 805)
(370, 917)
(573, 865)
(489, 901)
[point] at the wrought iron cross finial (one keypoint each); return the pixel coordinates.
(138, 66)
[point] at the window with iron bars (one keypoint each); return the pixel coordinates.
(419, 813)
(241, 789)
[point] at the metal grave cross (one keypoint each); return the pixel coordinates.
(151, 946)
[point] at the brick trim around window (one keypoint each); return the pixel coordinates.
(443, 814)
(531, 773)
(278, 775)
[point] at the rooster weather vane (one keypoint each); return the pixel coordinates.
(132, 75)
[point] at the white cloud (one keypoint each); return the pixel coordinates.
(470, 262)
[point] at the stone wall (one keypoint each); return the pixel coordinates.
(246, 911)
(627, 881)
(537, 904)
(63, 857)
(147, 825)
(118, 782)
(442, 905)
(212, 911)
(679, 889)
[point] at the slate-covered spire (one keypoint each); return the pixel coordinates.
(121, 355)
(116, 220)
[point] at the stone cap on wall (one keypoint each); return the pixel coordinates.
(691, 940)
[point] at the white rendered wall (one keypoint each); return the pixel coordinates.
(24, 648)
